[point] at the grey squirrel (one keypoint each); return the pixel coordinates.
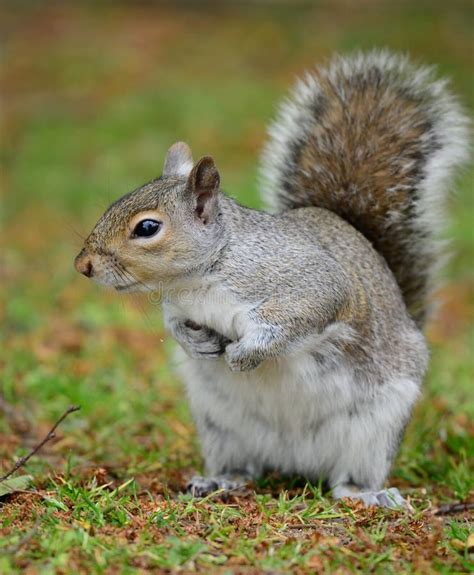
(301, 327)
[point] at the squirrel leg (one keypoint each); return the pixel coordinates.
(369, 437)
(229, 463)
(265, 334)
(198, 342)
(227, 466)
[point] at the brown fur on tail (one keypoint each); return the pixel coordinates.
(375, 140)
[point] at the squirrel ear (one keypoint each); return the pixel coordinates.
(178, 161)
(204, 183)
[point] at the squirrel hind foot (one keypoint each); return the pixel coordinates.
(200, 486)
(389, 498)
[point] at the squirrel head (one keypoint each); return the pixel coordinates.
(162, 230)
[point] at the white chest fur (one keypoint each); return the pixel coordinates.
(210, 305)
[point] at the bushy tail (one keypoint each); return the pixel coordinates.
(374, 139)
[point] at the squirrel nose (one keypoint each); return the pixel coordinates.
(83, 265)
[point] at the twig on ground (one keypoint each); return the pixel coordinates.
(450, 508)
(50, 435)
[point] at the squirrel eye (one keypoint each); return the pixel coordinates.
(146, 229)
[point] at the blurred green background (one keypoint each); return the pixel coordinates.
(92, 96)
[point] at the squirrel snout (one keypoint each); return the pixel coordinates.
(83, 264)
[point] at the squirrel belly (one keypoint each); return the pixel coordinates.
(297, 417)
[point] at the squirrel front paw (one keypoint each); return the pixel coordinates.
(239, 359)
(200, 342)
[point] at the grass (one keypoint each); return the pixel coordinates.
(91, 102)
